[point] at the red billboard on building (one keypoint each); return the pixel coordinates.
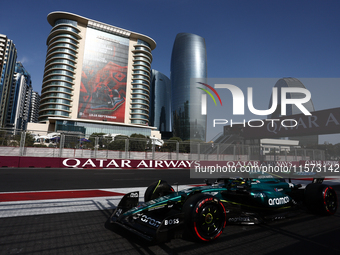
(103, 82)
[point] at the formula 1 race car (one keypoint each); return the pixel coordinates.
(203, 211)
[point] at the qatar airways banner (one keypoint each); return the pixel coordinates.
(198, 169)
(92, 163)
(126, 163)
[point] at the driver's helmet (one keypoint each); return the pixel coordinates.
(238, 182)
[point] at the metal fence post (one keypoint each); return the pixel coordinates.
(62, 143)
(170, 154)
(96, 145)
(234, 152)
(153, 150)
(22, 143)
(126, 147)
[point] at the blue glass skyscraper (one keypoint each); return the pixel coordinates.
(188, 60)
(18, 113)
(160, 103)
(8, 56)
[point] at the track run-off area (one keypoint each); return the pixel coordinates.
(14, 204)
(65, 211)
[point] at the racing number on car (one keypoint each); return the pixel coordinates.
(134, 195)
(118, 212)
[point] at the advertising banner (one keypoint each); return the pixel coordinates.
(103, 82)
(198, 169)
(320, 122)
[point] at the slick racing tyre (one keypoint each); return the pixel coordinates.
(321, 199)
(205, 217)
(157, 189)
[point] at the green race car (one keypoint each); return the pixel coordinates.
(203, 211)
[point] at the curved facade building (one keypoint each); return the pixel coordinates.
(140, 91)
(95, 72)
(60, 69)
(292, 109)
(160, 103)
(188, 60)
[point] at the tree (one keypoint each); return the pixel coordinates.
(170, 145)
(29, 140)
(3, 138)
(102, 141)
(332, 151)
(118, 143)
(137, 142)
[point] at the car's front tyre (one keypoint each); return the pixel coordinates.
(205, 217)
(157, 189)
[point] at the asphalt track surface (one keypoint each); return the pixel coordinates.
(87, 232)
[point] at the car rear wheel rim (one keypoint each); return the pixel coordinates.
(330, 200)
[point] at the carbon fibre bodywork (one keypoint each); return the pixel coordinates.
(204, 211)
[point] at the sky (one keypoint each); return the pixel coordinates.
(244, 38)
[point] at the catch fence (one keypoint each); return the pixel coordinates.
(75, 145)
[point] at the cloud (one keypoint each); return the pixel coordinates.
(23, 60)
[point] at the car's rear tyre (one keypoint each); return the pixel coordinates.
(321, 199)
(157, 189)
(205, 217)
